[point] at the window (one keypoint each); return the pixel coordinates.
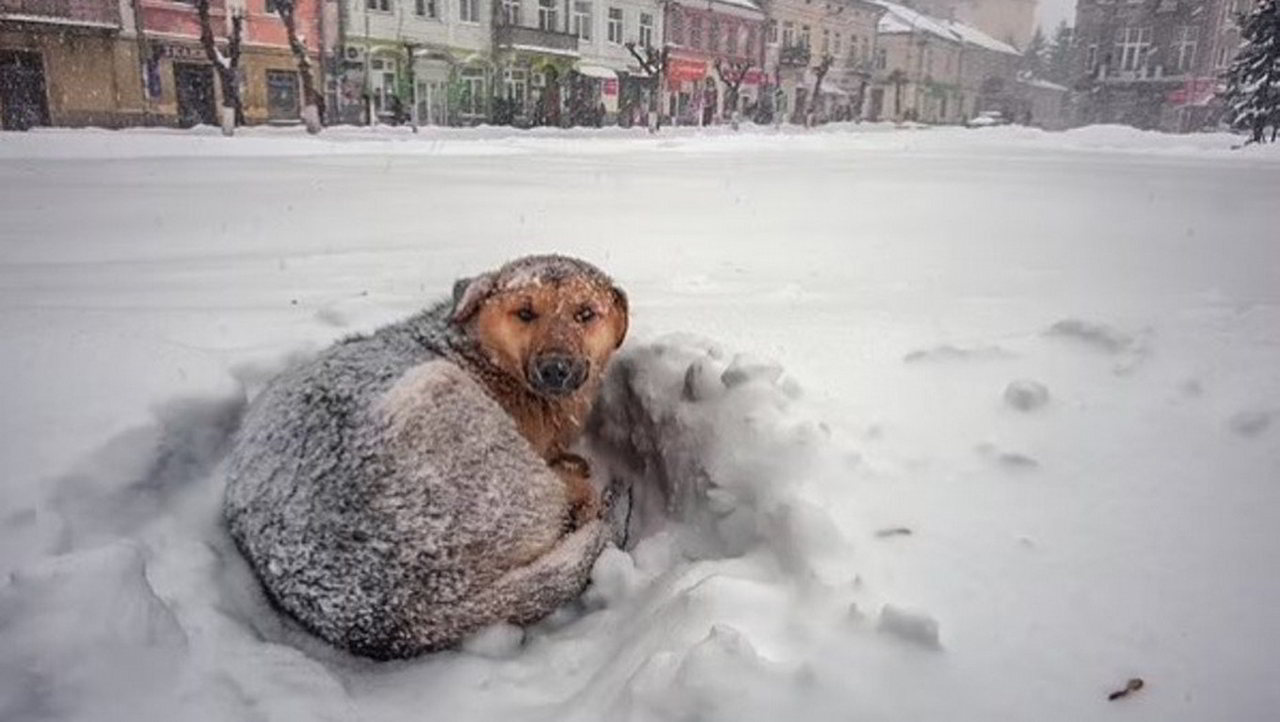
(695, 31)
(471, 95)
(837, 45)
(469, 11)
(826, 41)
(425, 8)
(676, 27)
(1184, 48)
(882, 59)
(788, 34)
(731, 39)
(282, 95)
(646, 30)
(1133, 44)
(1224, 55)
(379, 5)
(773, 32)
(582, 19)
(1091, 58)
(547, 19)
(514, 87)
(713, 36)
(511, 12)
(749, 46)
(270, 7)
(805, 36)
(614, 33)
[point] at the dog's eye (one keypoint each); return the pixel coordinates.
(527, 315)
(586, 314)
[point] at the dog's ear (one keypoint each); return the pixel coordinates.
(468, 294)
(624, 313)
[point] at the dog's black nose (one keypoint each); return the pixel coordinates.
(558, 373)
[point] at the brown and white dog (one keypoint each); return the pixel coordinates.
(408, 487)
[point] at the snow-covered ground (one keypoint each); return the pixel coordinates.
(1005, 432)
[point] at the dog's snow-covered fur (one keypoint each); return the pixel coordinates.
(384, 492)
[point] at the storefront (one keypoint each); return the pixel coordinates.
(688, 84)
(183, 89)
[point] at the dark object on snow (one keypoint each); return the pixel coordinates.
(1130, 687)
(404, 489)
(893, 531)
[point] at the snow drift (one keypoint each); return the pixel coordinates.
(731, 577)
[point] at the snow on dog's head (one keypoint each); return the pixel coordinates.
(551, 322)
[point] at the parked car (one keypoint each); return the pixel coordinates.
(986, 119)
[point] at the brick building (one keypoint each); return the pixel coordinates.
(1153, 63)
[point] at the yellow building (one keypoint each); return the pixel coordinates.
(66, 63)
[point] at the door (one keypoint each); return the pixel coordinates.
(23, 103)
(877, 104)
(194, 84)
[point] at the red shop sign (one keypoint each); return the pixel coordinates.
(679, 69)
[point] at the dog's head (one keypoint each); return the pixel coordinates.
(550, 321)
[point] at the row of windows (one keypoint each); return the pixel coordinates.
(548, 17)
(832, 42)
(1133, 50)
(732, 36)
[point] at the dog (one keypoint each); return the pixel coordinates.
(408, 487)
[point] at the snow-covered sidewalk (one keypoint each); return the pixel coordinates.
(987, 423)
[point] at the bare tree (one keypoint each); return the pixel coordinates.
(654, 64)
(311, 100)
(227, 66)
(732, 74)
(820, 72)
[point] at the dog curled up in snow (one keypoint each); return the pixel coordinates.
(411, 486)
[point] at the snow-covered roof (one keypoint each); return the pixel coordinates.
(902, 19)
(745, 4)
(1043, 84)
(974, 36)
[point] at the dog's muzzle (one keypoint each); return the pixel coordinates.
(557, 374)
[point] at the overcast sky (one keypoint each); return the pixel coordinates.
(1049, 12)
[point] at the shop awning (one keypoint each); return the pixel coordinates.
(597, 71)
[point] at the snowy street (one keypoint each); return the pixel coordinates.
(1029, 395)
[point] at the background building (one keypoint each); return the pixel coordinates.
(1012, 22)
(801, 33)
(179, 82)
(68, 63)
(429, 61)
(699, 33)
(1153, 63)
(934, 70)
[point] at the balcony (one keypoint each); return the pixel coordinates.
(90, 13)
(518, 37)
(794, 56)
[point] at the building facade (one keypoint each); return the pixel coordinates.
(933, 70)
(179, 83)
(1153, 63)
(801, 35)
(68, 63)
(426, 60)
(700, 35)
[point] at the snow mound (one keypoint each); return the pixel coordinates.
(730, 596)
(1026, 395)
